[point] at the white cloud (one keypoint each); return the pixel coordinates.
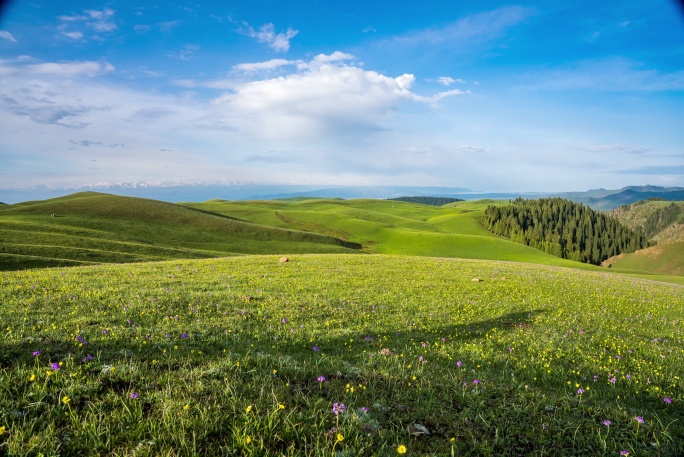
(7, 36)
(74, 35)
(70, 69)
(268, 65)
(279, 42)
(325, 97)
(478, 27)
(167, 26)
(448, 80)
(96, 20)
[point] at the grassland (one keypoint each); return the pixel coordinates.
(390, 227)
(101, 228)
(248, 356)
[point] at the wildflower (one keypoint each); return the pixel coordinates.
(281, 406)
(134, 395)
(340, 437)
(184, 336)
(315, 348)
(364, 409)
(32, 378)
(248, 409)
(66, 400)
(612, 380)
(607, 423)
(35, 353)
(321, 379)
(476, 382)
(186, 407)
(55, 366)
(401, 449)
(639, 419)
(624, 452)
(459, 363)
(667, 400)
(2, 429)
(338, 408)
(248, 439)
(580, 391)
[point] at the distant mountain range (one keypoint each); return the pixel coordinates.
(601, 199)
(607, 200)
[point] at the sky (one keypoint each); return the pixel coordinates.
(490, 95)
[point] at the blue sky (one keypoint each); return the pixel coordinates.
(487, 95)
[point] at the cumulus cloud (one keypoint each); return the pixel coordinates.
(279, 42)
(4, 34)
(324, 96)
(74, 35)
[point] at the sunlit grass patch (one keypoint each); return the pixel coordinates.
(249, 356)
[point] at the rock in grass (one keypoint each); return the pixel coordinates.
(283, 260)
(476, 280)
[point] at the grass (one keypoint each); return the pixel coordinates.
(248, 356)
(390, 227)
(664, 258)
(100, 228)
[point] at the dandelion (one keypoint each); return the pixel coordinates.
(2, 429)
(281, 406)
(401, 449)
(248, 439)
(55, 366)
(667, 400)
(66, 400)
(340, 437)
(248, 409)
(186, 407)
(338, 408)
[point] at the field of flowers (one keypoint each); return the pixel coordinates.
(339, 355)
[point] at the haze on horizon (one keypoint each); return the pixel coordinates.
(493, 95)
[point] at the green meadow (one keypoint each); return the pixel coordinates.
(339, 355)
(393, 328)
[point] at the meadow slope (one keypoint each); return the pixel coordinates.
(100, 228)
(339, 355)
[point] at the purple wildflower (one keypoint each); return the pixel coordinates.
(364, 409)
(476, 382)
(639, 419)
(55, 366)
(185, 336)
(459, 363)
(607, 423)
(624, 452)
(134, 395)
(580, 391)
(315, 348)
(321, 379)
(338, 408)
(35, 353)
(667, 400)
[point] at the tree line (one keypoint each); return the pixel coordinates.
(435, 201)
(664, 216)
(563, 228)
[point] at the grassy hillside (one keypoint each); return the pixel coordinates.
(102, 228)
(667, 257)
(390, 227)
(247, 356)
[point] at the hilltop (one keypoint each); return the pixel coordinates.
(90, 227)
(608, 200)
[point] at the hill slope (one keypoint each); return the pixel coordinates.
(101, 228)
(391, 227)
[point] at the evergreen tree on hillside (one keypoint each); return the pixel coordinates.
(563, 228)
(435, 201)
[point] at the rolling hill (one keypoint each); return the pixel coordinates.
(89, 227)
(667, 257)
